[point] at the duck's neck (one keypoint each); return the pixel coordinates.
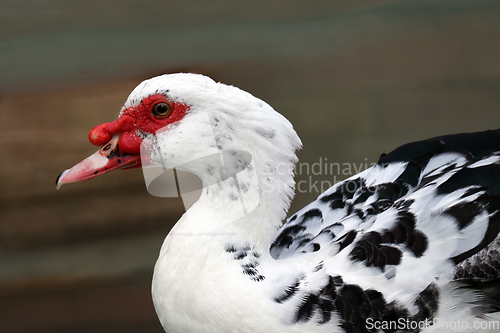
(243, 204)
(199, 280)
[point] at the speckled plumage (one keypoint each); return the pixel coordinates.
(426, 216)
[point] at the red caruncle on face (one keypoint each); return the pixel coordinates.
(153, 113)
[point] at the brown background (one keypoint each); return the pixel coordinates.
(356, 79)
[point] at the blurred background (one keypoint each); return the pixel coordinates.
(356, 78)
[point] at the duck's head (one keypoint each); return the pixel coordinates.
(179, 118)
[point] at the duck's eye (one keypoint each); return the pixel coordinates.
(161, 109)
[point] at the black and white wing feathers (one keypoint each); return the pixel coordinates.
(387, 240)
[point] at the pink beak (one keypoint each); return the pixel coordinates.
(106, 159)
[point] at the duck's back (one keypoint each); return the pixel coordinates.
(397, 241)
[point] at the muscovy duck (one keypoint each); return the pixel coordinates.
(408, 245)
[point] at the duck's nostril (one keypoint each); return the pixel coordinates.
(106, 148)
